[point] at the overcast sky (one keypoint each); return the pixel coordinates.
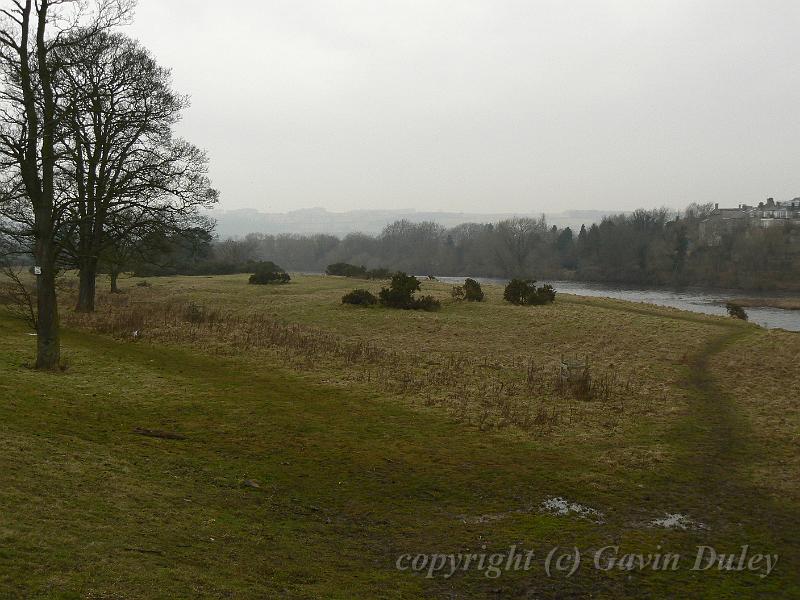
(487, 105)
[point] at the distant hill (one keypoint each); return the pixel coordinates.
(238, 223)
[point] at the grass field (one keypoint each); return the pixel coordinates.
(315, 443)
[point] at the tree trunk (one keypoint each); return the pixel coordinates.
(114, 277)
(48, 349)
(87, 285)
(48, 345)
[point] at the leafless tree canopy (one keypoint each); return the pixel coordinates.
(86, 147)
(124, 173)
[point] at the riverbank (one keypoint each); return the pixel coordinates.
(781, 303)
(698, 300)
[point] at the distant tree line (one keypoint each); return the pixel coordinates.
(645, 247)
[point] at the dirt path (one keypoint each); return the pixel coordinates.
(717, 437)
(718, 450)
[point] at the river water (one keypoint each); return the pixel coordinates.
(710, 302)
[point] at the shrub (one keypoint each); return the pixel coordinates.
(270, 277)
(400, 293)
(736, 311)
(524, 291)
(428, 303)
(457, 293)
(359, 298)
(518, 291)
(473, 291)
(546, 294)
(346, 270)
(268, 272)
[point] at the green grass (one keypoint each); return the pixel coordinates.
(351, 475)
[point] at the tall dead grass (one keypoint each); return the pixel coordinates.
(476, 389)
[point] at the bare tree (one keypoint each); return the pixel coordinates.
(33, 36)
(410, 245)
(515, 241)
(129, 175)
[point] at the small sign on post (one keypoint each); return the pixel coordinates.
(37, 270)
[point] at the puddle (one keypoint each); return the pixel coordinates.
(562, 507)
(676, 521)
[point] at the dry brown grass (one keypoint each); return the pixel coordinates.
(491, 364)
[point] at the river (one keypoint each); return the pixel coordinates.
(710, 302)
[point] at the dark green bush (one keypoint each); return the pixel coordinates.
(359, 298)
(269, 277)
(458, 293)
(524, 291)
(736, 311)
(473, 291)
(518, 291)
(268, 272)
(546, 294)
(400, 294)
(346, 270)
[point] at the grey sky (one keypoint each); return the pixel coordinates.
(487, 105)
